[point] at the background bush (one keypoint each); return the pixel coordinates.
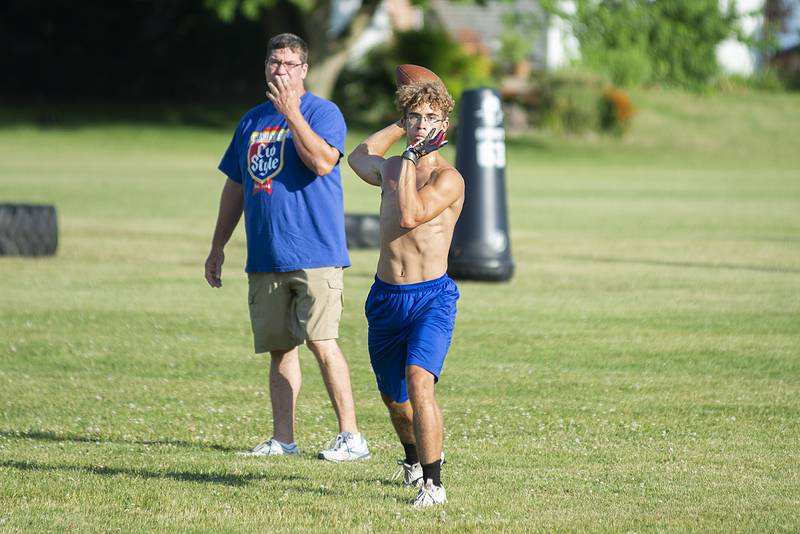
(570, 102)
(366, 92)
(616, 110)
(639, 41)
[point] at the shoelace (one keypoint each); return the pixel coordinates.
(401, 469)
(425, 495)
(264, 445)
(339, 443)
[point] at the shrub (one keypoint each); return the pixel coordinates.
(614, 40)
(569, 102)
(616, 110)
(576, 102)
(366, 92)
(636, 41)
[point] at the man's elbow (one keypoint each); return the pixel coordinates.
(360, 172)
(325, 171)
(355, 158)
(409, 222)
(324, 168)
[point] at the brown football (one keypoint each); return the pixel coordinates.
(406, 74)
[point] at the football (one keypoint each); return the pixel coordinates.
(406, 74)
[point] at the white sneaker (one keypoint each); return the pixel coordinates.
(346, 447)
(430, 495)
(272, 447)
(411, 473)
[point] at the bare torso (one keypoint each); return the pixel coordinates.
(409, 256)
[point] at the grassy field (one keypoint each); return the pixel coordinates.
(641, 372)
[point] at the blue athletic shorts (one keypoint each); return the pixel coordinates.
(409, 324)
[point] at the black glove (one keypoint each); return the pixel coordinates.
(432, 142)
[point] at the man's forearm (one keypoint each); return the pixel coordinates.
(368, 158)
(313, 150)
(408, 199)
(378, 143)
(231, 205)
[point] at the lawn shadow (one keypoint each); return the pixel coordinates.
(225, 479)
(41, 435)
(690, 264)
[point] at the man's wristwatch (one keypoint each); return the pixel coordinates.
(411, 156)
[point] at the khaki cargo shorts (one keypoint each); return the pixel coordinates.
(287, 309)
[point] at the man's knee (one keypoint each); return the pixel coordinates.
(330, 358)
(420, 383)
(392, 404)
(419, 377)
(280, 355)
(324, 350)
(398, 411)
(322, 345)
(388, 401)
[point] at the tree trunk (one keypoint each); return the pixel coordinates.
(329, 54)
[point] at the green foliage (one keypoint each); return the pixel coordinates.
(576, 102)
(569, 102)
(683, 40)
(637, 41)
(616, 111)
(251, 9)
(439, 52)
(521, 30)
(514, 47)
(366, 92)
(613, 41)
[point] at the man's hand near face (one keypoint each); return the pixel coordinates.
(283, 95)
(315, 152)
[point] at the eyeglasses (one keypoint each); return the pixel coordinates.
(415, 119)
(275, 64)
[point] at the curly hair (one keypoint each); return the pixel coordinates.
(412, 95)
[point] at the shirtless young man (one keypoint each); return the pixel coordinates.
(411, 307)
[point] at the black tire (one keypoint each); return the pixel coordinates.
(362, 230)
(28, 230)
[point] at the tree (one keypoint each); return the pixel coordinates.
(637, 41)
(310, 20)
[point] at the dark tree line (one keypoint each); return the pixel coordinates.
(128, 50)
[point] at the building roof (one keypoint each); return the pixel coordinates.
(482, 26)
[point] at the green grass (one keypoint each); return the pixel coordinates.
(641, 372)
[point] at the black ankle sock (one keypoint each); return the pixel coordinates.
(433, 471)
(411, 453)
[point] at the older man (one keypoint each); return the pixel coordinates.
(283, 174)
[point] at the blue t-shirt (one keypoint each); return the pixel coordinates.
(294, 219)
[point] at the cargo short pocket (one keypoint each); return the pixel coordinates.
(336, 287)
(254, 287)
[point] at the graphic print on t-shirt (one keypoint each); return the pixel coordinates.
(265, 157)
